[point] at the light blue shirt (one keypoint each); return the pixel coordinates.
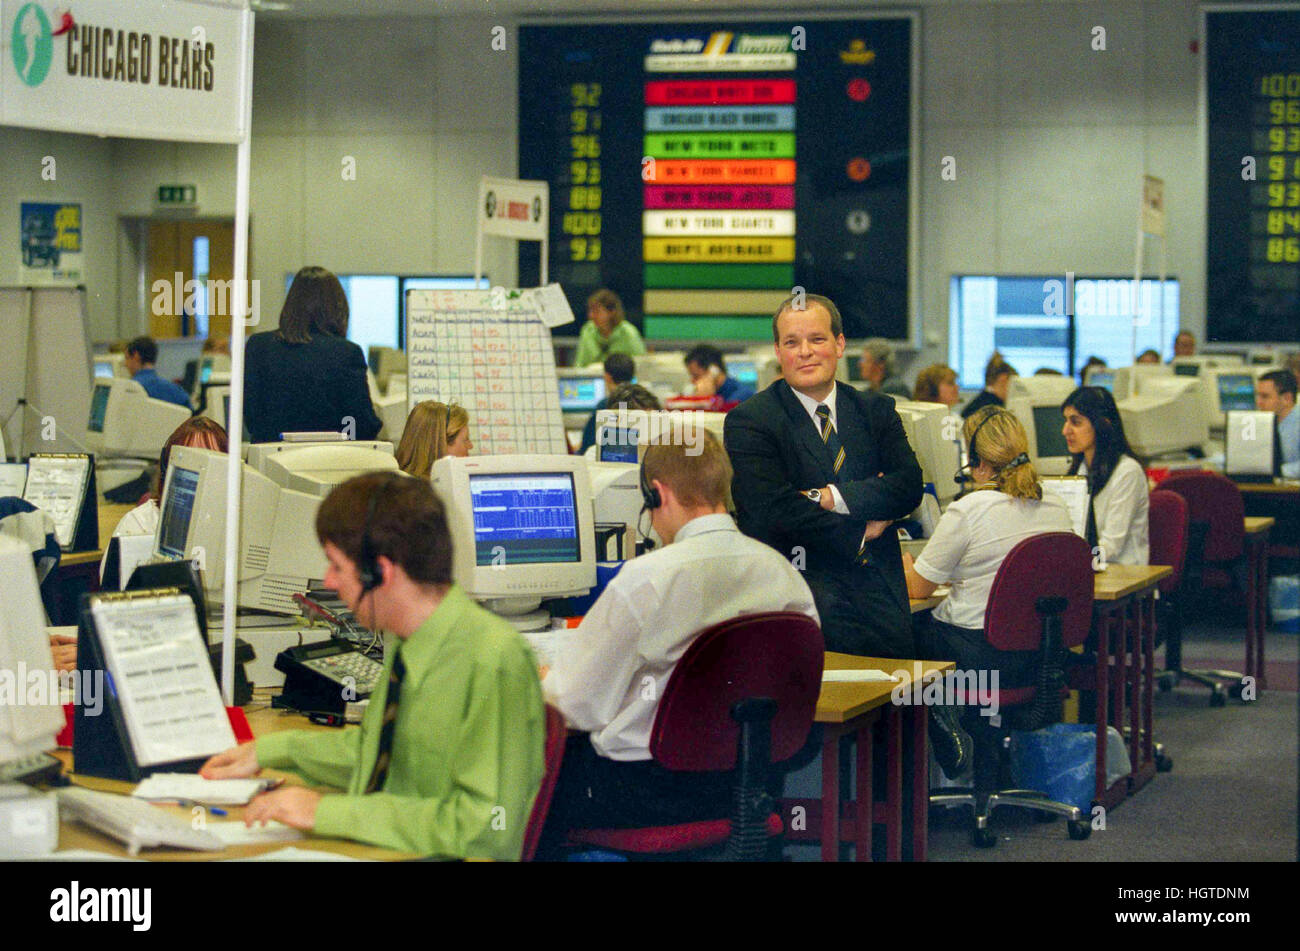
(1288, 430)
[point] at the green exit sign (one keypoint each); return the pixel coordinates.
(177, 194)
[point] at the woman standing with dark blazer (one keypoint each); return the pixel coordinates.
(307, 376)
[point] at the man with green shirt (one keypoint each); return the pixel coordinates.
(449, 754)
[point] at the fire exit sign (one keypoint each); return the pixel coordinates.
(177, 194)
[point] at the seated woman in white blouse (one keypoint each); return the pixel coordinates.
(1117, 483)
(972, 539)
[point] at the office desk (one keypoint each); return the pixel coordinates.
(1124, 600)
(854, 709)
(110, 513)
(263, 720)
(78, 571)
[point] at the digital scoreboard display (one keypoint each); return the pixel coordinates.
(1252, 72)
(704, 169)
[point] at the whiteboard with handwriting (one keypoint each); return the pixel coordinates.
(497, 362)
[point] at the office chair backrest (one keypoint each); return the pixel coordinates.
(775, 654)
(1216, 501)
(1051, 565)
(555, 735)
(1168, 521)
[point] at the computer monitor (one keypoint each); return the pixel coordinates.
(1166, 416)
(384, 362)
(1043, 420)
(743, 369)
(933, 431)
(663, 374)
(1042, 389)
(1128, 380)
(29, 725)
(1102, 377)
(1248, 446)
(1236, 391)
(522, 528)
(616, 493)
(105, 366)
(267, 458)
(279, 555)
(1187, 369)
(617, 427)
(392, 411)
(1203, 360)
(580, 389)
(124, 420)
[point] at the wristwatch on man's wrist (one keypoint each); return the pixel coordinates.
(813, 495)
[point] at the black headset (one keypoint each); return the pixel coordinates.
(649, 494)
(368, 569)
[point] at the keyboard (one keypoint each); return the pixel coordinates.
(133, 821)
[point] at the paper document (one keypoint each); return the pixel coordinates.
(857, 677)
(190, 787)
(551, 304)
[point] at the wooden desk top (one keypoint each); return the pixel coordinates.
(263, 720)
(1120, 581)
(1259, 523)
(1286, 487)
(839, 703)
(110, 513)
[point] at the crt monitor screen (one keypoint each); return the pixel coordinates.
(1236, 392)
(174, 525)
(581, 394)
(104, 369)
(524, 518)
(1187, 369)
(98, 407)
(1103, 378)
(1047, 427)
(744, 371)
(617, 445)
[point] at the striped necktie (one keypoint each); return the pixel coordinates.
(380, 772)
(830, 437)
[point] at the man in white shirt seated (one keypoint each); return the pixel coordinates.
(608, 678)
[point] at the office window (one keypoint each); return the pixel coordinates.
(1045, 321)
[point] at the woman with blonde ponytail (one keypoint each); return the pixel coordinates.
(973, 537)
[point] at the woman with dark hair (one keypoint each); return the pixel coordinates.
(1117, 484)
(307, 376)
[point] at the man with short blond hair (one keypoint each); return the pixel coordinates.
(609, 676)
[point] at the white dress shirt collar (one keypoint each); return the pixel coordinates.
(810, 406)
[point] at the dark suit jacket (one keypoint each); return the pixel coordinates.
(305, 387)
(776, 451)
(982, 399)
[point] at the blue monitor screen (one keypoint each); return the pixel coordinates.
(1236, 392)
(580, 394)
(744, 371)
(174, 526)
(616, 445)
(524, 518)
(104, 369)
(1103, 378)
(98, 407)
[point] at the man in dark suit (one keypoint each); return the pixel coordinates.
(821, 473)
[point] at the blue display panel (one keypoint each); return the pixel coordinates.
(524, 518)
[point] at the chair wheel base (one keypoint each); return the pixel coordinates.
(1080, 829)
(1218, 698)
(1166, 682)
(983, 838)
(1164, 764)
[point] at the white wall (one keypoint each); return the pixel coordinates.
(1050, 139)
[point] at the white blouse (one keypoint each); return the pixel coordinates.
(1120, 510)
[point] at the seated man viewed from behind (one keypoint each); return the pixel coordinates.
(448, 757)
(609, 676)
(141, 355)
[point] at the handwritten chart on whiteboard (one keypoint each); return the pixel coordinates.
(497, 362)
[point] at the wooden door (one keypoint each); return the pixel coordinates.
(173, 259)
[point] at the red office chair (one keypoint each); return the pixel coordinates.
(1041, 600)
(1215, 551)
(741, 698)
(1168, 525)
(555, 735)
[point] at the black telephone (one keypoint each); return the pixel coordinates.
(325, 677)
